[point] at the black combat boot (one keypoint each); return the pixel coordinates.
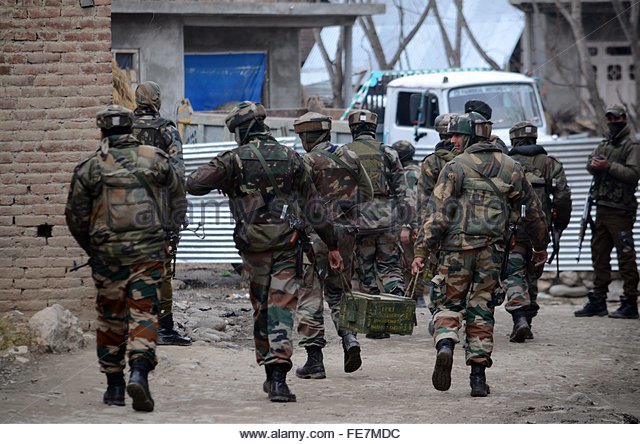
(351, 347)
(478, 381)
(279, 390)
(441, 377)
(266, 385)
(138, 387)
(597, 306)
(115, 389)
(313, 368)
(166, 333)
(521, 329)
(628, 308)
(529, 321)
(377, 336)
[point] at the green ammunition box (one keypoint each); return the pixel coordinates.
(380, 313)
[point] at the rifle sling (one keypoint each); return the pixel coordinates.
(267, 171)
(339, 161)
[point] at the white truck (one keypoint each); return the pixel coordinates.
(413, 102)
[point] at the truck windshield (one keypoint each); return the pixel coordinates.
(510, 103)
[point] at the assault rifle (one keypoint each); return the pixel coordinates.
(586, 217)
(172, 239)
(300, 237)
(555, 239)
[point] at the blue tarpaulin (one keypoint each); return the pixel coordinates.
(212, 80)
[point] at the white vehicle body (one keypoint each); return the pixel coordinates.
(513, 97)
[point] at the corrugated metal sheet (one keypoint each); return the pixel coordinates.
(213, 210)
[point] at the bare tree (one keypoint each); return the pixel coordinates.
(453, 55)
(628, 19)
(573, 16)
(464, 25)
(334, 67)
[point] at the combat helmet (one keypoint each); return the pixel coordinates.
(312, 122)
(362, 116)
(405, 150)
(478, 106)
(244, 112)
(523, 130)
(114, 116)
(441, 123)
(148, 93)
(471, 124)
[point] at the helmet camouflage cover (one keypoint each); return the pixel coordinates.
(148, 93)
(244, 112)
(362, 116)
(524, 129)
(470, 124)
(405, 149)
(310, 122)
(441, 123)
(114, 116)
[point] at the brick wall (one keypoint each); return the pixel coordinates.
(55, 74)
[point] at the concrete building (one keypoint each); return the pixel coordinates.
(223, 51)
(548, 52)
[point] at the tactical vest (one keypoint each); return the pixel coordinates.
(534, 168)
(332, 180)
(258, 210)
(370, 153)
(125, 204)
(482, 210)
(609, 191)
(147, 131)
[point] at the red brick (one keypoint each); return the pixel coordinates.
(4, 70)
(12, 273)
(21, 36)
(8, 103)
(6, 157)
(14, 59)
(59, 47)
(80, 36)
(44, 13)
(42, 57)
(20, 14)
(80, 102)
(48, 35)
(48, 80)
(29, 114)
(27, 69)
(18, 80)
(27, 284)
(96, 46)
(37, 273)
(14, 190)
(97, 90)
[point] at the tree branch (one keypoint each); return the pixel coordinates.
(473, 40)
(451, 56)
(403, 44)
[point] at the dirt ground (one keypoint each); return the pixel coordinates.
(574, 371)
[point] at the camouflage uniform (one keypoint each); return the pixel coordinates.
(467, 219)
(547, 177)
(377, 250)
(263, 234)
(342, 182)
(151, 129)
(118, 223)
(616, 205)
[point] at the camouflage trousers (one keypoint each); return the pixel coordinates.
(166, 290)
(406, 259)
(127, 306)
(273, 290)
(614, 228)
(521, 284)
(378, 258)
(466, 280)
(311, 302)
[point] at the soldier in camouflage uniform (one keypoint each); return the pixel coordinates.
(377, 252)
(470, 207)
(342, 183)
(480, 107)
(122, 201)
(151, 129)
(409, 232)
(268, 189)
(615, 166)
(546, 176)
(432, 164)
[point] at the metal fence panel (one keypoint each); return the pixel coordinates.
(218, 246)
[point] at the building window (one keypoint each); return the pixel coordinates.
(632, 74)
(619, 50)
(128, 60)
(614, 72)
(593, 51)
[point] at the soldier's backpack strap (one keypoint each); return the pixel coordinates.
(482, 175)
(267, 171)
(340, 162)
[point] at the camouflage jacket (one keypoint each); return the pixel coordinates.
(110, 212)
(262, 214)
(546, 176)
(389, 209)
(151, 129)
(430, 169)
(341, 189)
(616, 186)
(466, 212)
(411, 175)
